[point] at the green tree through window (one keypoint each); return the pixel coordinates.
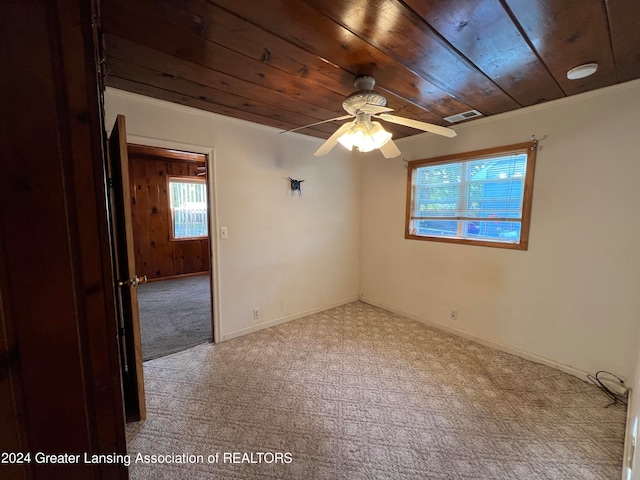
(481, 197)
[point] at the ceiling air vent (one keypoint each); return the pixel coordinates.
(463, 116)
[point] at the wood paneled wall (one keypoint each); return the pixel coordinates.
(157, 255)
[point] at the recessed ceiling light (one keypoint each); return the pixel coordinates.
(582, 71)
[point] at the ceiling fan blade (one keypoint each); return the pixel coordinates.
(332, 141)
(390, 149)
(427, 127)
(344, 117)
(374, 109)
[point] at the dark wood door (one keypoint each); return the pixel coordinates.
(126, 277)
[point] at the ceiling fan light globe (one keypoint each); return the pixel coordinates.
(362, 137)
(353, 136)
(366, 145)
(365, 136)
(379, 135)
(346, 140)
(358, 136)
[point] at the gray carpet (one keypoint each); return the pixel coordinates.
(360, 393)
(175, 314)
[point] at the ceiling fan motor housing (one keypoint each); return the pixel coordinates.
(364, 96)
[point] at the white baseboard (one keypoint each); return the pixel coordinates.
(628, 458)
(483, 341)
(285, 318)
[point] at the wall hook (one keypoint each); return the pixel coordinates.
(296, 186)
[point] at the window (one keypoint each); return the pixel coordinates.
(477, 198)
(188, 204)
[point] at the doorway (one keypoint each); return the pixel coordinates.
(171, 237)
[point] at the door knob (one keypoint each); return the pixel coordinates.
(133, 282)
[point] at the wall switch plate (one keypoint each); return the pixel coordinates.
(224, 233)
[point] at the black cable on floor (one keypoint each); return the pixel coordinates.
(615, 397)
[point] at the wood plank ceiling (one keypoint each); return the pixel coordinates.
(288, 63)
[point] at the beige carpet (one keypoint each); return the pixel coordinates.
(360, 393)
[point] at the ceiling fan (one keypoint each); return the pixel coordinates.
(363, 133)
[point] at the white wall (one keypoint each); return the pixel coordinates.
(287, 256)
(571, 299)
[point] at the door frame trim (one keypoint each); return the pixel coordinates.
(214, 247)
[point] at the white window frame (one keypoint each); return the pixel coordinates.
(172, 226)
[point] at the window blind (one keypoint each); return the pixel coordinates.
(477, 198)
(188, 202)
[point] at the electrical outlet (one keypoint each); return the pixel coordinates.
(453, 314)
(256, 314)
